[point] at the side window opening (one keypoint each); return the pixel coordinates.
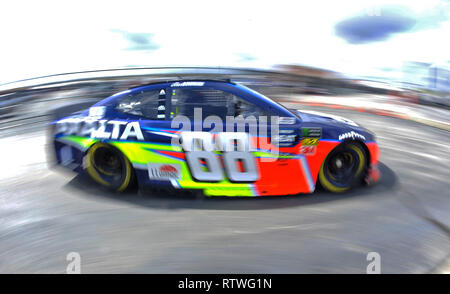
(246, 109)
(212, 102)
(156, 105)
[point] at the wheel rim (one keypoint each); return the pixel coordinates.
(342, 167)
(107, 166)
(107, 162)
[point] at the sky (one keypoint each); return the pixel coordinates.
(354, 37)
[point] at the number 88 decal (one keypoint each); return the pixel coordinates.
(199, 148)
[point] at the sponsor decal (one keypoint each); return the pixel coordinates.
(312, 132)
(309, 145)
(282, 131)
(97, 111)
(351, 135)
(308, 150)
(187, 84)
(101, 129)
(286, 120)
(310, 141)
(284, 139)
(158, 171)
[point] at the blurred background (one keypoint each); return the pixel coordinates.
(385, 64)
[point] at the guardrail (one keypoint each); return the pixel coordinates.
(136, 72)
(13, 93)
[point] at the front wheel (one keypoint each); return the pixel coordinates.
(343, 168)
(109, 167)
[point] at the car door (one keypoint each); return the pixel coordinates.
(282, 168)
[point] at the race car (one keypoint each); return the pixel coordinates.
(214, 136)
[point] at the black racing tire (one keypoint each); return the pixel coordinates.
(109, 167)
(343, 168)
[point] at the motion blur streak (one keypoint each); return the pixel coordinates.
(45, 214)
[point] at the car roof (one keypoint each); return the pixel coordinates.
(248, 92)
(224, 80)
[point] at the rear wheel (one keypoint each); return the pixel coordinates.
(109, 167)
(343, 168)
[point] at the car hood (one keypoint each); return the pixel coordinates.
(325, 118)
(334, 126)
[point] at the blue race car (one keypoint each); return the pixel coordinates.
(215, 136)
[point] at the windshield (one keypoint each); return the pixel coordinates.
(269, 100)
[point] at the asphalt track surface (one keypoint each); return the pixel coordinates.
(45, 214)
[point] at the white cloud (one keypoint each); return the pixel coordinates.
(45, 37)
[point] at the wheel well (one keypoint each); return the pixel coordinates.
(110, 146)
(355, 142)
